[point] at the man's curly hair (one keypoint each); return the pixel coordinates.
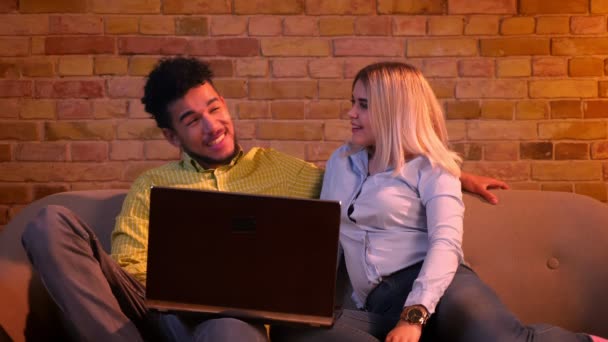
(170, 80)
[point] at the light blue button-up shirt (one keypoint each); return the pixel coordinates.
(397, 221)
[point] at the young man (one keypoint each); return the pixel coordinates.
(102, 297)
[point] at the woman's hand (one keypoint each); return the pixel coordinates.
(480, 185)
(405, 332)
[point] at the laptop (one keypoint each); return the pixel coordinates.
(254, 257)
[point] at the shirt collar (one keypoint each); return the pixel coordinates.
(192, 165)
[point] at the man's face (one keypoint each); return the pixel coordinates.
(202, 127)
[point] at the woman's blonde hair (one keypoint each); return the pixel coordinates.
(406, 117)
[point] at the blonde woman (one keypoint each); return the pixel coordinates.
(402, 225)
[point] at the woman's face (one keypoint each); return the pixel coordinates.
(362, 133)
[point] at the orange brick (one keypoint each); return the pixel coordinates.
(76, 24)
(487, 6)
(336, 26)
(597, 190)
(289, 67)
(555, 6)
(14, 194)
(501, 130)
(481, 24)
(531, 110)
(586, 66)
(599, 6)
(197, 6)
(463, 110)
(271, 90)
(268, 7)
(295, 47)
(75, 66)
(443, 88)
(79, 45)
(119, 87)
(136, 110)
(595, 109)
(10, 69)
(144, 129)
(410, 6)
(161, 45)
(446, 25)
(252, 67)
(326, 68)
(438, 67)
(294, 148)
(38, 109)
(335, 89)
(603, 88)
(477, 67)
(409, 26)
(337, 130)
(156, 25)
(230, 88)
(588, 25)
(46, 151)
(43, 190)
(265, 26)
(441, 47)
(566, 109)
(14, 47)
(572, 130)
(571, 171)
(287, 110)
(536, 150)
(160, 150)
(126, 150)
(481, 88)
(368, 47)
(552, 25)
(549, 66)
(513, 67)
(339, 7)
(10, 108)
(225, 25)
(134, 169)
(517, 25)
(599, 150)
(321, 151)
(221, 67)
(373, 26)
(8, 6)
(563, 88)
(74, 109)
(141, 65)
(59, 6)
(563, 187)
(501, 151)
(515, 46)
(507, 171)
(273, 130)
(300, 26)
(579, 46)
(15, 88)
(121, 25)
(501, 110)
(469, 151)
(89, 130)
(457, 130)
(571, 151)
(253, 110)
(111, 65)
(324, 110)
(121, 6)
(5, 152)
(24, 24)
(39, 67)
(198, 26)
(89, 151)
(245, 130)
(109, 109)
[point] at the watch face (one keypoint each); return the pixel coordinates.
(414, 315)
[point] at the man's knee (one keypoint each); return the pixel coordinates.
(45, 229)
(229, 329)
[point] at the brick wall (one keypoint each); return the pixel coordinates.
(522, 82)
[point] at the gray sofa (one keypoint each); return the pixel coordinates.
(544, 253)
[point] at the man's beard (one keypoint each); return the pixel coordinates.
(206, 161)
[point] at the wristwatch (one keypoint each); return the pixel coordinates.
(415, 314)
